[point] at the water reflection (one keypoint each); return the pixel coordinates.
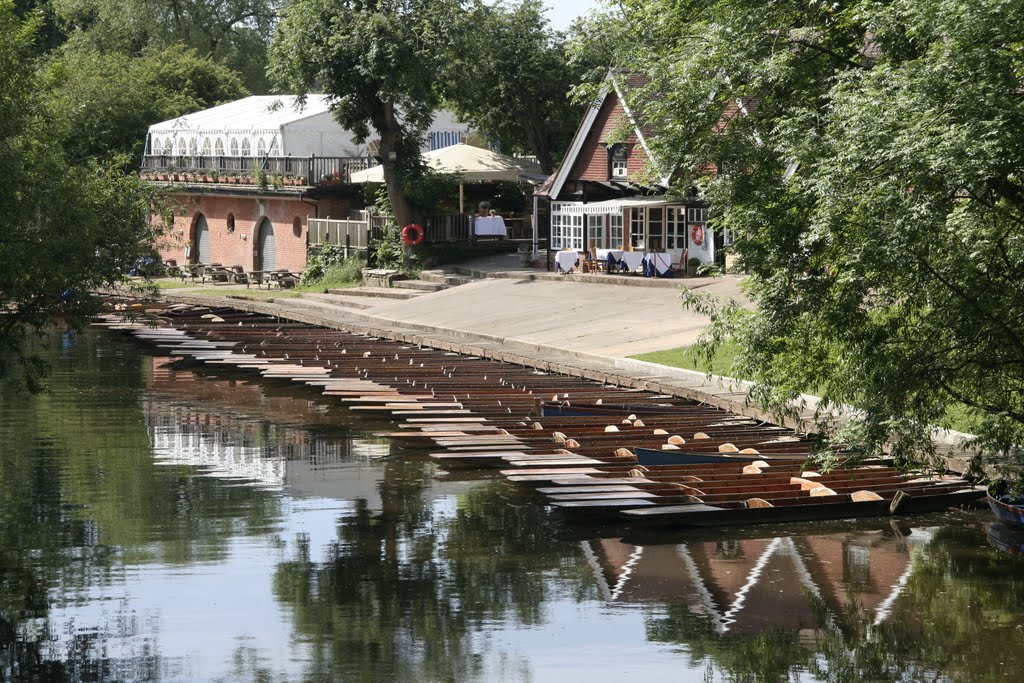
(164, 523)
(744, 586)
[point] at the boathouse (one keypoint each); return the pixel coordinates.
(610, 190)
(245, 179)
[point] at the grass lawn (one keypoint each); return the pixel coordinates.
(957, 415)
(686, 357)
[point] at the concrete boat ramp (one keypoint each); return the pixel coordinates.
(583, 326)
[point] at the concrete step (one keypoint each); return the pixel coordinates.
(456, 280)
(433, 275)
(355, 303)
(444, 277)
(420, 285)
(377, 292)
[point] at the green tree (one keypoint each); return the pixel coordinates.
(511, 80)
(868, 158)
(379, 61)
(66, 228)
(234, 33)
(107, 100)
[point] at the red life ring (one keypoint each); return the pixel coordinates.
(697, 235)
(412, 234)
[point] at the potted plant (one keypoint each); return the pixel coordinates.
(213, 175)
(692, 265)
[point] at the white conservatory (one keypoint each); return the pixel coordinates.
(274, 126)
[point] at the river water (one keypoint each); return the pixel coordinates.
(164, 523)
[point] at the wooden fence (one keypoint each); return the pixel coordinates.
(352, 234)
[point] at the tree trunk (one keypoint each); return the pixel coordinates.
(537, 138)
(390, 144)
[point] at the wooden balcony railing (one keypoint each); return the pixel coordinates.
(312, 170)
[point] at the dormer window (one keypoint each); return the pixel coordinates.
(617, 157)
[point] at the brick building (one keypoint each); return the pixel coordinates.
(245, 177)
(609, 191)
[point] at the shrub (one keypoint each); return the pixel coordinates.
(321, 260)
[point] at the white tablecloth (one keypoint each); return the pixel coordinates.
(489, 225)
(632, 260)
(603, 254)
(566, 260)
(662, 262)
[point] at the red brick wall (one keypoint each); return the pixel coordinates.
(238, 247)
(592, 162)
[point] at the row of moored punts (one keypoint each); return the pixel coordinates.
(590, 449)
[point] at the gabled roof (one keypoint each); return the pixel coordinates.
(553, 187)
(258, 112)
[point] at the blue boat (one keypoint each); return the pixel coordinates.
(1008, 508)
(1006, 538)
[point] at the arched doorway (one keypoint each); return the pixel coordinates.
(266, 247)
(201, 241)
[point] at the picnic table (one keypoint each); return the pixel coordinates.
(198, 270)
(283, 278)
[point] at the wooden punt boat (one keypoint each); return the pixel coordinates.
(566, 409)
(1007, 508)
(914, 500)
(1009, 539)
(650, 457)
(694, 495)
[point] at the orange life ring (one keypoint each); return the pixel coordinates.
(697, 235)
(412, 234)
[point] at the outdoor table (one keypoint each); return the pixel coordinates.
(285, 279)
(631, 260)
(219, 273)
(258, 277)
(489, 225)
(611, 256)
(566, 261)
(657, 263)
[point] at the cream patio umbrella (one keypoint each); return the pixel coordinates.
(474, 164)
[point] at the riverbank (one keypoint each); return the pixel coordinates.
(581, 327)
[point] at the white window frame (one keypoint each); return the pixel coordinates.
(233, 147)
(566, 228)
(246, 147)
(596, 230)
(675, 227)
(207, 149)
(615, 240)
(637, 223)
(218, 147)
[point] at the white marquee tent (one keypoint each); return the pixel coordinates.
(474, 164)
